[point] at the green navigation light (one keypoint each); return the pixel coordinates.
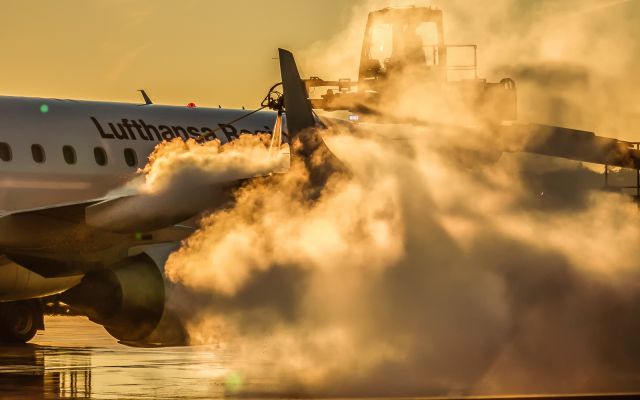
(234, 382)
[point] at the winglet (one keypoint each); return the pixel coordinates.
(299, 112)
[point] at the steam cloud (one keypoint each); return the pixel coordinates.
(179, 163)
(435, 267)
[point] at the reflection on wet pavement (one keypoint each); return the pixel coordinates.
(75, 358)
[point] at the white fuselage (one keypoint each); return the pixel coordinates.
(54, 152)
(86, 127)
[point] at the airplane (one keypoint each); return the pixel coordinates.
(63, 228)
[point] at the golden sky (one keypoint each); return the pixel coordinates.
(208, 51)
(222, 52)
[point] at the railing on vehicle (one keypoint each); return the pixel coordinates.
(636, 187)
(433, 51)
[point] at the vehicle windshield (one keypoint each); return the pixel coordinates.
(401, 44)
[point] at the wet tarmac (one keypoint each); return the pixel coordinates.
(75, 358)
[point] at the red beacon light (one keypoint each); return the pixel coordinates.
(191, 105)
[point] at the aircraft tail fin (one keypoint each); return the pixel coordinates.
(299, 112)
(303, 127)
(301, 122)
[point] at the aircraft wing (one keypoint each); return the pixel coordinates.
(105, 219)
(571, 144)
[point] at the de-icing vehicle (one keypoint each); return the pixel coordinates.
(404, 56)
(406, 47)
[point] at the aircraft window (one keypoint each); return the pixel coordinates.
(100, 156)
(37, 152)
(5, 152)
(130, 157)
(69, 155)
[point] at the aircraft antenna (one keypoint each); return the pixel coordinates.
(274, 100)
(145, 96)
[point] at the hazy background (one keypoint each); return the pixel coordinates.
(210, 52)
(223, 52)
(418, 274)
(413, 275)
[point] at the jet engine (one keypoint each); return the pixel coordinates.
(128, 299)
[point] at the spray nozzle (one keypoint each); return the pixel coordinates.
(274, 99)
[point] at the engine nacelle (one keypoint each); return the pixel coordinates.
(127, 299)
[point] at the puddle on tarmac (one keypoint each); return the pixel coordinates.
(75, 358)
